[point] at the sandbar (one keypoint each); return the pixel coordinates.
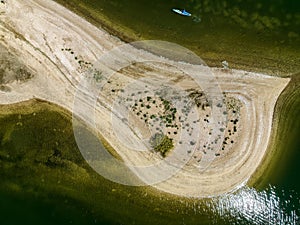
(58, 49)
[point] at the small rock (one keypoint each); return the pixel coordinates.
(225, 64)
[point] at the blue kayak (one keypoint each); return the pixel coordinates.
(182, 12)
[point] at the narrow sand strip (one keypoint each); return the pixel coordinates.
(58, 47)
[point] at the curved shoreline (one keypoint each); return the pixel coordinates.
(240, 56)
(277, 144)
(56, 71)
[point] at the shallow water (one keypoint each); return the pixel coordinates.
(44, 180)
(234, 30)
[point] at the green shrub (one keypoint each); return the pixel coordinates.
(161, 143)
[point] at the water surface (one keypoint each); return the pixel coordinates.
(45, 180)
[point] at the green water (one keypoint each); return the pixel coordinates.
(236, 31)
(287, 138)
(44, 180)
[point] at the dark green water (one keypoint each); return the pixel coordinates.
(236, 31)
(44, 179)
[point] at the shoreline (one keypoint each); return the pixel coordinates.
(98, 20)
(62, 74)
(279, 125)
(245, 60)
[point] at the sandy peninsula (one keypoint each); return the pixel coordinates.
(218, 143)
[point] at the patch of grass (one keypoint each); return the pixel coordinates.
(97, 75)
(161, 143)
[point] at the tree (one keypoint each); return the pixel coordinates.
(161, 143)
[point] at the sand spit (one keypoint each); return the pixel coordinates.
(58, 48)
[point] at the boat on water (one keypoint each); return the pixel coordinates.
(181, 12)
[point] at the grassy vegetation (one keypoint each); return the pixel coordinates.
(165, 116)
(161, 143)
(11, 69)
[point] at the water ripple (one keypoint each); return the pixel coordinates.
(249, 206)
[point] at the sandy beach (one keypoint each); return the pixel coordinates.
(217, 146)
